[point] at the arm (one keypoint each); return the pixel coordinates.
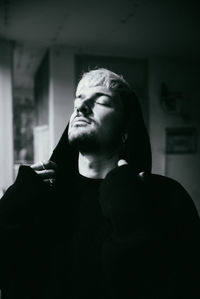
(17, 208)
(144, 254)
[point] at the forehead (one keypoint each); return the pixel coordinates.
(86, 90)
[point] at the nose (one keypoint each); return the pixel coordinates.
(82, 106)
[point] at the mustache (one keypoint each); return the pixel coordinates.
(83, 118)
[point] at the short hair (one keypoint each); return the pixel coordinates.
(103, 77)
(112, 81)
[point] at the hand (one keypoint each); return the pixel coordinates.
(122, 162)
(46, 170)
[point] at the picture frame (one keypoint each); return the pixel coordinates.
(181, 140)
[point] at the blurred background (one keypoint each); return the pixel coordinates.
(46, 45)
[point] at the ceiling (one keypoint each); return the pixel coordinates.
(141, 28)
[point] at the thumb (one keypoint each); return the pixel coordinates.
(122, 162)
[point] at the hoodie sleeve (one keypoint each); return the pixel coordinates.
(16, 218)
(155, 229)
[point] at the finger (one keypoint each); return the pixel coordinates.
(122, 162)
(43, 165)
(49, 182)
(50, 165)
(38, 166)
(46, 174)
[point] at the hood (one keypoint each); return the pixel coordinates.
(137, 150)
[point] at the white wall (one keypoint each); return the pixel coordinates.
(6, 128)
(182, 76)
(61, 91)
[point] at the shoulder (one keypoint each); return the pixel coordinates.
(174, 200)
(27, 185)
(163, 184)
(161, 179)
(165, 192)
(166, 185)
(125, 174)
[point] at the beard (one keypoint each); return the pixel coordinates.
(84, 141)
(88, 141)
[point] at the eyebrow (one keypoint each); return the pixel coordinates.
(104, 94)
(96, 94)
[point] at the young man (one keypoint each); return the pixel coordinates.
(93, 222)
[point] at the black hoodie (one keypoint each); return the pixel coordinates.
(152, 250)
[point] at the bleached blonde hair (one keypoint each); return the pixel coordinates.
(104, 77)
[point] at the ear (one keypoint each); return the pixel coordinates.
(124, 137)
(126, 129)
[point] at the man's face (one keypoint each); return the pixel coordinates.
(97, 121)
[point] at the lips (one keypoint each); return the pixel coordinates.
(81, 120)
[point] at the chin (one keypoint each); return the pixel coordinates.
(78, 132)
(83, 140)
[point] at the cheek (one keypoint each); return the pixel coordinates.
(113, 119)
(112, 124)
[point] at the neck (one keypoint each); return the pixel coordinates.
(97, 166)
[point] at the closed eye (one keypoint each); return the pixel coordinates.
(103, 103)
(104, 100)
(97, 98)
